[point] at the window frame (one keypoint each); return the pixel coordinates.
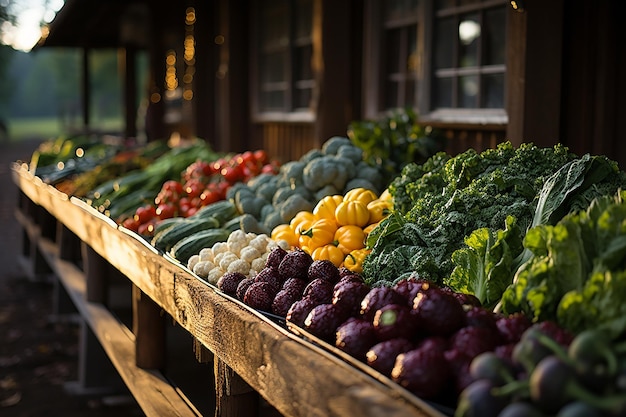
(291, 114)
(374, 77)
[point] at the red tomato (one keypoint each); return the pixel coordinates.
(131, 224)
(232, 174)
(261, 156)
(145, 213)
(269, 169)
(166, 211)
(172, 185)
(194, 188)
(209, 196)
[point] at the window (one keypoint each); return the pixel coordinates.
(284, 82)
(468, 55)
(444, 58)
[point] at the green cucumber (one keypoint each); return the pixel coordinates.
(193, 244)
(169, 237)
(223, 211)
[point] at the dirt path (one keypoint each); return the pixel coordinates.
(38, 356)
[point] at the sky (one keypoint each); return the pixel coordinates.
(31, 15)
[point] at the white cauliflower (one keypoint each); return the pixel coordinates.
(214, 275)
(192, 261)
(257, 265)
(219, 247)
(282, 243)
(207, 254)
(239, 266)
(249, 253)
(203, 268)
(260, 242)
(227, 259)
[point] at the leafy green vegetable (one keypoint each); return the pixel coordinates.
(447, 198)
(577, 274)
(395, 140)
(483, 268)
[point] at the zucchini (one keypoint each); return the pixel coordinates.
(169, 237)
(233, 224)
(167, 223)
(223, 211)
(193, 244)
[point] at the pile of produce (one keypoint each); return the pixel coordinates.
(337, 227)
(490, 283)
(272, 200)
(506, 190)
(203, 182)
(64, 158)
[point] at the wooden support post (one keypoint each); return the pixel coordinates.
(234, 397)
(149, 330)
(69, 244)
(62, 303)
(96, 374)
(96, 270)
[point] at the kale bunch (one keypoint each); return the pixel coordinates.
(441, 202)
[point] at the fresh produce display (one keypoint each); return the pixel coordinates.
(337, 227)
(549, 374)
(120, 197)
(201, 183)
(576, 273)
(272, 200)
(490, 284)
(395, 141)
(242, 253)
(58, 159)
(441, 202)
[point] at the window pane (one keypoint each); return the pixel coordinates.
(495, 36)
(493, 91)
(443, 92)
(468, 91)
(303, 98)
(274, 67)
(469, 38)
(304, 19)
(445, 35)
(272, 100)
(303, 69)
(398, 9)
(392, 49)
(391, 94)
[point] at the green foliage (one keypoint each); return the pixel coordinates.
(577, 272)
(395, 140)
(483, 268)
(447, 198)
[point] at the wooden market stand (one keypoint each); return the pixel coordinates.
(255, 359)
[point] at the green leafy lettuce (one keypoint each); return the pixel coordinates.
(577, 272)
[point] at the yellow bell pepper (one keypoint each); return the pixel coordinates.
(352, 212)
(379, 209)
(354, 260)
(349, 238)
(301, 221)
(368, 229)
(330, 252)
(321, 232)
(363, 195)
(284, 232)
(325, 208)
(386, 195)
